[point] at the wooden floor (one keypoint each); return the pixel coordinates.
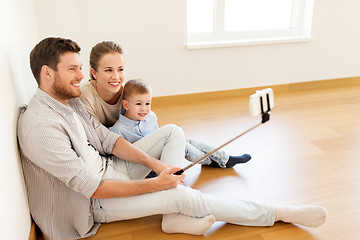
(308, 153)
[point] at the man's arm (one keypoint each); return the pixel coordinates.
(114, 188)
(128, 152)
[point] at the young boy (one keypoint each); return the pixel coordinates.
(137, 120)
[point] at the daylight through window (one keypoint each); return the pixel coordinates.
(212, 23)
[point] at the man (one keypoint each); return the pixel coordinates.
(79, 174)
(52, 147)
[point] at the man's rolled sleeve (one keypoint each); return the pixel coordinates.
(107, 137)
(55, 154)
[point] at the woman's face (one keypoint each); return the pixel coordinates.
(110, 73)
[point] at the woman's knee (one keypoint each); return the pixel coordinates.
(174, 130)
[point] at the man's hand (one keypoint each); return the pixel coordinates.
(159, 167)
(113, 188)
(167, 179)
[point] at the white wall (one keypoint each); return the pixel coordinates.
(18, 33)
(153, 34)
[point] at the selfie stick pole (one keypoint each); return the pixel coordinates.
(265, 117)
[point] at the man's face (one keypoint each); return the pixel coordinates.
(67, 78)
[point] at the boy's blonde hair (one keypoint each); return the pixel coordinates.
(135, 86)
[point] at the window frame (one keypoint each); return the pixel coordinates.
(299, 32)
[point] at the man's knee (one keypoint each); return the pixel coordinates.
(184, 198)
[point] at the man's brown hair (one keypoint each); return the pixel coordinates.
(48, 51)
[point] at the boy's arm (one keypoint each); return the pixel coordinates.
(154, 118)
(119, 128)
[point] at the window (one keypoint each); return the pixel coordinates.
(212, 23)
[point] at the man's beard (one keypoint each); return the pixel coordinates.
(63, 92)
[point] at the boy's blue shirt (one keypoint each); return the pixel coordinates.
(132, 130)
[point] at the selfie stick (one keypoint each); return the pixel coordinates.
(265, 115)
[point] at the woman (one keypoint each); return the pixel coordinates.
(101, 94)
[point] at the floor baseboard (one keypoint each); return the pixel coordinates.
(301, 86)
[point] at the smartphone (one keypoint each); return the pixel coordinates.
(261, 102)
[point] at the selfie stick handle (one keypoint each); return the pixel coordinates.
(216, 149)
(265, 116)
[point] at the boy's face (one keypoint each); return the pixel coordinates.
(138, 106)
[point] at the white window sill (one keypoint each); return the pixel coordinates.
(246, 42)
